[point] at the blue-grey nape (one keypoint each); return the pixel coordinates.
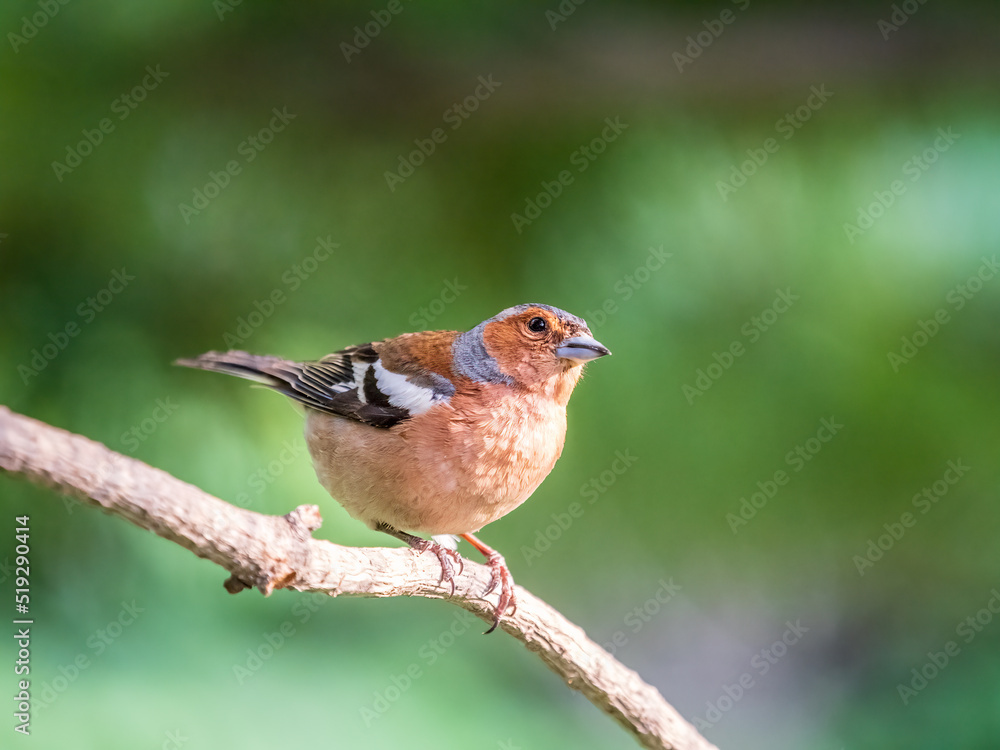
(470, 358)
(469, 355)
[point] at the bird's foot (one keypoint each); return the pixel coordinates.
(445, 556)
(499, 576)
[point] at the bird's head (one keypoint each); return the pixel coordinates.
(533, 346)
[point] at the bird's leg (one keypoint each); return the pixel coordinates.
(500, 574)
(444, 555)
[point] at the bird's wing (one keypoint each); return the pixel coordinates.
(351, 383)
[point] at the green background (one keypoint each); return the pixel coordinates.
(167, 679)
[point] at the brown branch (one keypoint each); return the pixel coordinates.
(269, 552)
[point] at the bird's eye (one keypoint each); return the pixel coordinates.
(537, 325)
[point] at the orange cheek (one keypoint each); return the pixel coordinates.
(526, 359)
(506, 345)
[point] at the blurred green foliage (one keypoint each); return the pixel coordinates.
(203, 280)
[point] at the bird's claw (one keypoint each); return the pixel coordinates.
(500, 574)
(446, 557)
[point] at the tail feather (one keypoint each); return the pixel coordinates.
(258, 368)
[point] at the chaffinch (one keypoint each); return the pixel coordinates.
(438, 432)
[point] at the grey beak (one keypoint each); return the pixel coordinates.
(581, 349)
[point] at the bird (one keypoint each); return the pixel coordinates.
(437, 432)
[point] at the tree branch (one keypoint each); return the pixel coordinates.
(269, 552)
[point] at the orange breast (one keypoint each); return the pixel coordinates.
(450, 470)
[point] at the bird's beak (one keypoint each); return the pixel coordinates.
(581, 349)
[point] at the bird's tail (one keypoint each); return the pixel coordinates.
(260, 369)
